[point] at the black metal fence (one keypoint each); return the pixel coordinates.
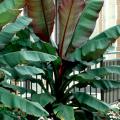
(108, 96)
(112, 95)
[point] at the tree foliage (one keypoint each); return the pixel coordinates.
(26, 51)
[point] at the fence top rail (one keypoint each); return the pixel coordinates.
(115, 59)
(113, 52)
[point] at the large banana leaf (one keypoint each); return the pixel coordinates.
(40, 45)
(69, 13)
(43, 98)
(97, 73)
(8, 31)
(43, 13)
(80, 115)
(86, 23)
(21, 71)
(11, 4)
(6, 72)
(64, 112)
(96, 46)
(92, 102)
(95, 78)
(28, 70)
(9, 10)
(11, 74)
(106, 84)
(18, 25)
(101, 83)
(8, 16)
(101, 72)
(15, 88)
(5, 115)
(23, 40)
(14, 101)
(18, 4)
(26, 57)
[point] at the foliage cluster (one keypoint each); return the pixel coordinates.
(26, 50)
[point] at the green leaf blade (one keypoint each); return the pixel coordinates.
(18, 25)
(92, 102)
(86, 24)
(11, 5)
(64, 112)
(8, 16)
(43, 99)
(28, 70)
(27, 57)
(97, 73)
(106, 84)
(96, 46)
(10, 30)
(11, 100)
(15, 88)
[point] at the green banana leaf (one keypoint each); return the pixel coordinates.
(96, 73)
(8, 31)
(26, 57)
(80, 115)
(20, 41)
(43, 99)
(69, 13)
(11, 4)
(96, 46)
(106, 84)
(21, 71)
(8, 16)
(6, 116)
(92, 102)
(40, 45)
(64, 112)
(94, 78)
(103, 71)
(11, 74)
(14, 101)
(18, 4)
(43, 13)
(86, 24)
(6, 72)
(28, 70)
(14, 88)
(18, 25)
(9, 10)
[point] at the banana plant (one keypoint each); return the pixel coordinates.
(26, 50)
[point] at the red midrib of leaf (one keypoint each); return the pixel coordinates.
(62, 43)
(47, 21)
(45, 16)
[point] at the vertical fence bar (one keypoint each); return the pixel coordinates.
(102, 92)
(96, 88)
(36, 84)
(41, 88)
(21, 86)
(31, 89)
(26, 89)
